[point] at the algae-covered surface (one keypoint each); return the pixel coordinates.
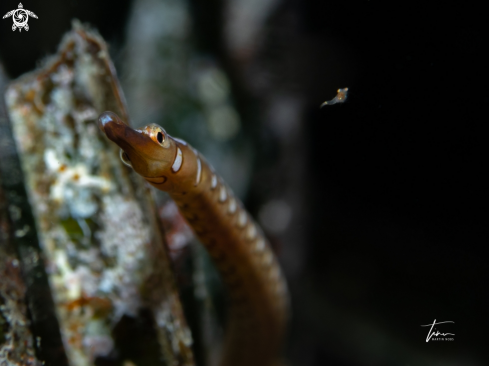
(16, 340)
(110, 276)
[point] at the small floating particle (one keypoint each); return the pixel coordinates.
(22, 232)
(340, 97)
(15, 212)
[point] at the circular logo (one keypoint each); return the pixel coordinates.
(20, 17)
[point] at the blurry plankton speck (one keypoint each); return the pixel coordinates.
(275, 216)
(223, 122)
(213, 86)
(341, 96)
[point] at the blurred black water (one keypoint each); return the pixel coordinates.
(393, 179)
(401, 167)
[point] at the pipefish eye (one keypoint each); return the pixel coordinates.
(158, 135)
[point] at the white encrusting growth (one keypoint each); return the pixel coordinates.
(177, 164)
(214, 182)
(73, 183)
(223, 195)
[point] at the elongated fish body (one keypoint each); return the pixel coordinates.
(252, 276)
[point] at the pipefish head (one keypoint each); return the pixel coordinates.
(149, 151)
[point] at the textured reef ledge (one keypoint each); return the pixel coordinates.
(110, 276)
